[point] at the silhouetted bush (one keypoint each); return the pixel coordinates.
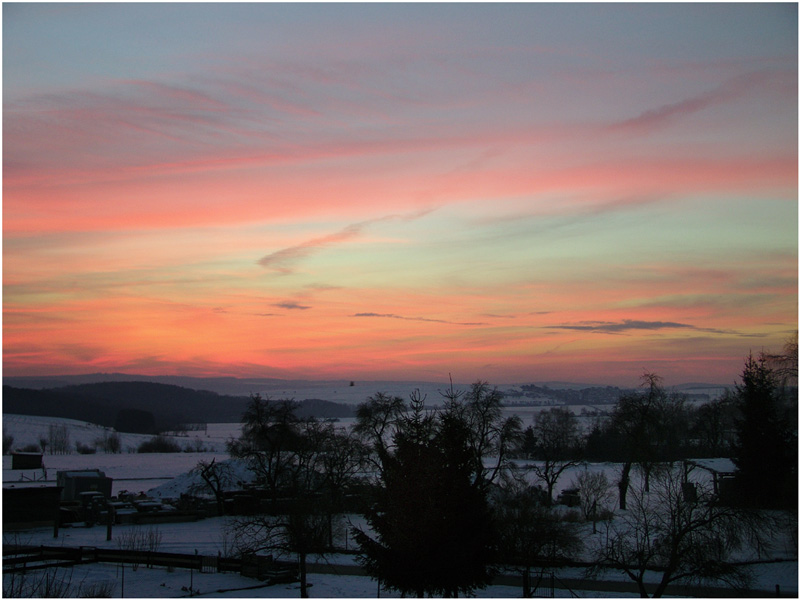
(158, 443)
(84, 449)
(109, 443)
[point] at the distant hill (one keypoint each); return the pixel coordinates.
(170, 405)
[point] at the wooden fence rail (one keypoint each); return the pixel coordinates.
(20, 558)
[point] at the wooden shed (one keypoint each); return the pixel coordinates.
(26, 460)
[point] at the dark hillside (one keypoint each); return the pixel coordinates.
(170, 405)
(49, 403)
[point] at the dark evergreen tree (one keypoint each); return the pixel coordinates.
(431, 520)
(765, 452)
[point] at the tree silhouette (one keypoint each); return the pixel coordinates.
(556, 446)
(679, 530)
(765, 452)
(304, 465)
(650, 425)
(529, 531)
(431, 519)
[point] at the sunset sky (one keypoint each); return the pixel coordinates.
(506, 192)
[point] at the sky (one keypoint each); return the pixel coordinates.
(506, 192)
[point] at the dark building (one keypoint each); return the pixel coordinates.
(76, 482)
(26, 507)
(26, 460)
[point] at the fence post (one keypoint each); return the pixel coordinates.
(110, 522)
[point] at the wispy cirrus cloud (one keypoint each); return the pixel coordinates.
(282, 260)
(632, 325)
(663, 115)
(393, 316)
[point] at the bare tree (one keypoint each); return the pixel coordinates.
(650, 425)
(376, 423)
(58, 439)
(784, 364)
(679, 530)
(596, 495)
(713, 425)
(556, 446)
(530, 532)
(110, 443)
(216, 476)
(304, 465)
(492, 438)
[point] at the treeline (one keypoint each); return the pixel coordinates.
(672, 428)
(755, 425)
(588, 395)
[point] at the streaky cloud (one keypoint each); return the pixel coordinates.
(658, 117)
(393, 316)
(282, 260)
(633, 325)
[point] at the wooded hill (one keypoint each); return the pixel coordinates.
(170, 405)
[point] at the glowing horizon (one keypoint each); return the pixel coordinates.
(501, 192)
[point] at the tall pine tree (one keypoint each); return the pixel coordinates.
(766, 445)
(431, 520)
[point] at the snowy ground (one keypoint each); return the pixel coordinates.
(165, 475)
(208, 537)
(160, 583)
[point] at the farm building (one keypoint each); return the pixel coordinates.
(74, 483)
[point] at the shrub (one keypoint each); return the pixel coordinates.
(140, 540)
(98, 589)
(195, 446)
(84, 449)
(8, 441)
(58, 439)
(159, 443)
(109, 443)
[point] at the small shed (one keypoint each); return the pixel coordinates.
(76, 482)
(26, 460)
(723, 473)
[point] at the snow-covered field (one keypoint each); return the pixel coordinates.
(166, 475)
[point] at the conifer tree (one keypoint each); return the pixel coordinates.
(765, 453)
(431, 520)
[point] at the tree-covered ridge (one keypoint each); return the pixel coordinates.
(170, 405)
